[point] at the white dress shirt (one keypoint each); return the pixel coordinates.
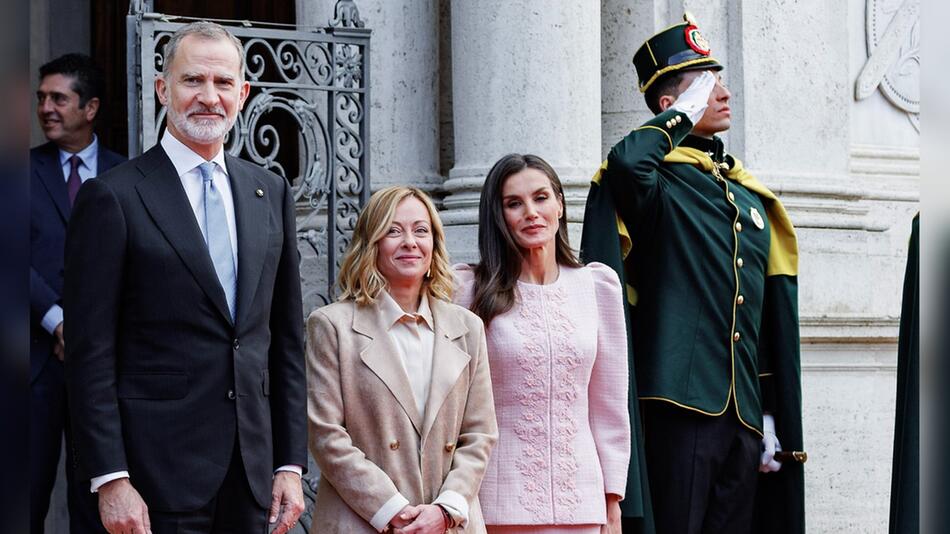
(414, 337)
(186, 162)
(87, 169)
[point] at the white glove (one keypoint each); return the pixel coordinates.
(695, 99)
(770, 445)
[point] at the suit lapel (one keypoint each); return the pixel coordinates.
(164, 198)
(382, 357)
(251, 217)
(448, 359)
(51, 175)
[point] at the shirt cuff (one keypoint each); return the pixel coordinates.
(98, 482)
(455, 505)
(290, 467)
(51, 320)
(388, 511)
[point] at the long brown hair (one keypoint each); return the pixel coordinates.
(500, 267)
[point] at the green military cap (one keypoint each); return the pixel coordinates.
(679, 47)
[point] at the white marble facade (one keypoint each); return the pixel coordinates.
(457, 84)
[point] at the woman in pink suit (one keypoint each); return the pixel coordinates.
(558, 359)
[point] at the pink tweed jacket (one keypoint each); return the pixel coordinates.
(559, 375)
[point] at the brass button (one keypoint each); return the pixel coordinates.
(739, 300)
(732, 197)
(449, 447)
(738, 226)
(259, 193)
(736, 337)
(739, 262)
(669, 124)
(394, 444)
(679, 119)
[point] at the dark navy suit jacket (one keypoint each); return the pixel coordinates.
(162, 382)
(49, 213)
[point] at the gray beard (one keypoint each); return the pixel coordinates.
(199, 131)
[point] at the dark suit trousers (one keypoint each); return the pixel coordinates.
(702, 470)
(48, 420)
(232, 511)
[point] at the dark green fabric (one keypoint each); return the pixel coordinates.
(684, 267)
(780, 497)
(604, 246)
(681, 222)
(905, 478)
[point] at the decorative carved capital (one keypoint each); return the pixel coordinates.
(346, 15)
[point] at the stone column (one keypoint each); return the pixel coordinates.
(526, 78)
(845, 171)
(404, 61)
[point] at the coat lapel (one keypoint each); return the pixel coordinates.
(51, 175)
(164, 198)
(448, 359)
(382, 357)
(250, 214)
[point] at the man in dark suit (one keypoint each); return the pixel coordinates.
(184, 329)
(68, 100)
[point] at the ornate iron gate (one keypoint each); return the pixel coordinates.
(310, 84)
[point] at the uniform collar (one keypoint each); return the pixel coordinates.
(714, 147)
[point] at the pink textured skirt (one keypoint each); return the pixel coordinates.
(543, 529)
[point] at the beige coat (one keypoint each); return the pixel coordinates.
(366, 434)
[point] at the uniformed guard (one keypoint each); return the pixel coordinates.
(709, 258)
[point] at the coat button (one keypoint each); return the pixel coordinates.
(736, 337)
(738, 226)
(449, 447)
(739, 300)
(394, 444)
(732, 197)
(231, 395)
(237, 344)
(739, 262)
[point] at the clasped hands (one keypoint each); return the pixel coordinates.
(421, 519)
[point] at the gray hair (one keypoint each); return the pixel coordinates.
(204, 30)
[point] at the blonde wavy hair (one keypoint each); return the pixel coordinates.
(360, 279)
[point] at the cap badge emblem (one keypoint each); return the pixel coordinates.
(696, 41)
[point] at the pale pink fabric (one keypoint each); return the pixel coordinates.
(543, 529)
(559, 374)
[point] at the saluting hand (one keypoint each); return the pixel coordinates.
(695, 99)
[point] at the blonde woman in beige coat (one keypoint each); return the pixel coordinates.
(401, 415)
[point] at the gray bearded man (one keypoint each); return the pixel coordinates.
(183, 319)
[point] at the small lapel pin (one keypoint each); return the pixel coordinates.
(259, 193)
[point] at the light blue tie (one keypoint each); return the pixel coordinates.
(217, 236)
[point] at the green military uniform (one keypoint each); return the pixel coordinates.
(709, 259)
